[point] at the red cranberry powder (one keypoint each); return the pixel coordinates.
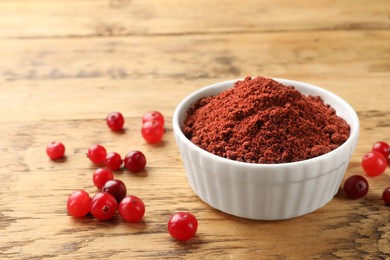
(260, 120)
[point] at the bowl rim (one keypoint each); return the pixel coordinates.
(184, 104)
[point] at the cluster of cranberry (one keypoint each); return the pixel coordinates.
(374, 163)
(112, 192)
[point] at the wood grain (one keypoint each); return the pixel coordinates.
(85, 18)
(37, 69)
(66, 64)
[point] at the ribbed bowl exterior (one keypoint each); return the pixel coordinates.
(266, 191)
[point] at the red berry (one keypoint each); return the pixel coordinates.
(55, 150)
(131, 209)
(152, 131)
(101, 176)
(113, 161)
(182, 226)
(97, 153)
(374, 163)
(356, 187)
(135, 161)
(116, 188)
(382, 147)
(153, 116)
(115, 121)
(79, 204)
(386, 196)
(103, 206)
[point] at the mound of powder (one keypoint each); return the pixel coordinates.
(262, 121)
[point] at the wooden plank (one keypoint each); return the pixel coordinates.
(86, 18)
(39, 81)
(352, 229)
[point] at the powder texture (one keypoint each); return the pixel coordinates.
(262, 121)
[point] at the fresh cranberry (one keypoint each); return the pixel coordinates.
(382, 147)
(153, 116)
(356, 187)
(115, 121)
(182, 226)
(97, 153)
(79, 203)
(103, 206)
(116, 188)
(374, 163)
(101, 176)
(55, 150)
(113, 161)
(152, 131)
(131, 209)
(386, 196)
(135, 161)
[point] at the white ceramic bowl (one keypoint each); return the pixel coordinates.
(266, 191)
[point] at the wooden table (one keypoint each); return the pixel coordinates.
(66, 64)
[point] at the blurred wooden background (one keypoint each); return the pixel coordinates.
(66, 64)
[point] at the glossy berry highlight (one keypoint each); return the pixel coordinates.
(182, 226)
(103, 206)
(97, 153)
(153, 116)
(115, 121)
(152, 131)
(55, 150)
(116, 188)
(101, 176)
(135, 161)
(113, 161)
(79, 203)
(374, 163)
(131, 209)
(356, 187)
(382, 147)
